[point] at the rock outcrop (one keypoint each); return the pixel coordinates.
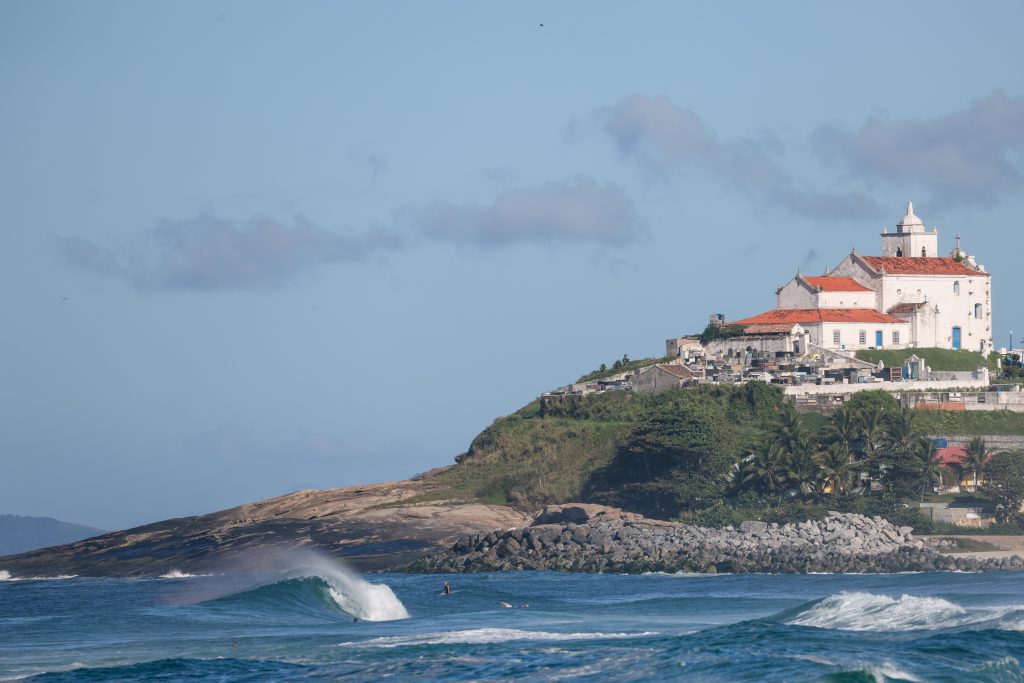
(380, 526)
(611, 541)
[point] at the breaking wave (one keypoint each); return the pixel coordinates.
(6, 576)
(317, 584)
(485, 635)
(176, 574)
(871, 612)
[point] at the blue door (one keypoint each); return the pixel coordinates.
(878, 339)
(956, 337)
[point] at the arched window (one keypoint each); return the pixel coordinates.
(956, 287)
(923, 252)
(899, 252)
(977, 311)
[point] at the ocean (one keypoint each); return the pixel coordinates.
(321, 623)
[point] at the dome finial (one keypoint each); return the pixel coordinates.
(910, 208)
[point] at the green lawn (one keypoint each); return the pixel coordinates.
(936, 359)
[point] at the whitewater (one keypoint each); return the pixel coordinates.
(306, 618)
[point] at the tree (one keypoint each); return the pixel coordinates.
(803, 473)
(877, 398)
(763, 470)
(836, 468)
(929, 462)
(676, 458)
(975, 458)
(1005, 484)
(900, 429)
(842, 429)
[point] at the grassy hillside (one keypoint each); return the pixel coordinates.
(548, 454)
(948, 422)
(936, 359)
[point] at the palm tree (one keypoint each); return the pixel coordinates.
(975, 457)
(803, 472)
(930, 462)
(790, 429)
(836, 467)
(762, 469)
(843, 428)
(871, 424)
(900, 430)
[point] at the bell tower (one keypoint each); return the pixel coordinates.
(910, 240)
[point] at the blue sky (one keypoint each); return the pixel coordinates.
(253, 247)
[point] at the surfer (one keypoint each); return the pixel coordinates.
(505, 605)
(447, 589)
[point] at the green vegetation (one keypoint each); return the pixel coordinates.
(936, 359)
(622, 365)
(718, 454)
(1005, 485)
(548, 452)
(949, 422)
(712, 332)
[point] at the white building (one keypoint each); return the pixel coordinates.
(909, 296)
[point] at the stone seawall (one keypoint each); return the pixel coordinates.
(612, 541)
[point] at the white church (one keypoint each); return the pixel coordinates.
(907, 297)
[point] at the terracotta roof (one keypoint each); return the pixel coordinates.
(905, 308)
(680, 371)
(820, 315)
(905, 265)
(952, 455)
(769, 328)
(837, 284)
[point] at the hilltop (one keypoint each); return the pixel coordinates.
(695, 455)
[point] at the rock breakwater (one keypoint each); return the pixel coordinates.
(578, 539)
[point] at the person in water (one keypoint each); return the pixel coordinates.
(447, 589)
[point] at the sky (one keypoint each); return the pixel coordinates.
(253, 247)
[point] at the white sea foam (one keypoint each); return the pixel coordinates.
(6, 576)
(870, 612)
(486, 635)
(353, 594)
(175, 574)
(888, 672)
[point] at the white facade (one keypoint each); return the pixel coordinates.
(910, 240)
(822, 292)
(909, 296)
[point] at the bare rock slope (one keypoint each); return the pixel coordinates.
(379, 526)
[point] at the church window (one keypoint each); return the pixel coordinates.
(835, 337)
(899, 252)
(862, 337)
(923, 252)
(895, 337)
(956, 287)
(977, 311)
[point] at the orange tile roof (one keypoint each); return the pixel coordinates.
(820, 315)
(905, 265)
(837, 284)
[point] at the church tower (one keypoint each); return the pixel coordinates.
(910, 240)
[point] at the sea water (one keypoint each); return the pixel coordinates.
(321, 623)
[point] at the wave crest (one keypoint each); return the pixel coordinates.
(475, 636)
(869, 612)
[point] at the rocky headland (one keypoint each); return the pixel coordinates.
(588, 538)
(374, 527)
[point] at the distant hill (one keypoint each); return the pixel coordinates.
(21, 534)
